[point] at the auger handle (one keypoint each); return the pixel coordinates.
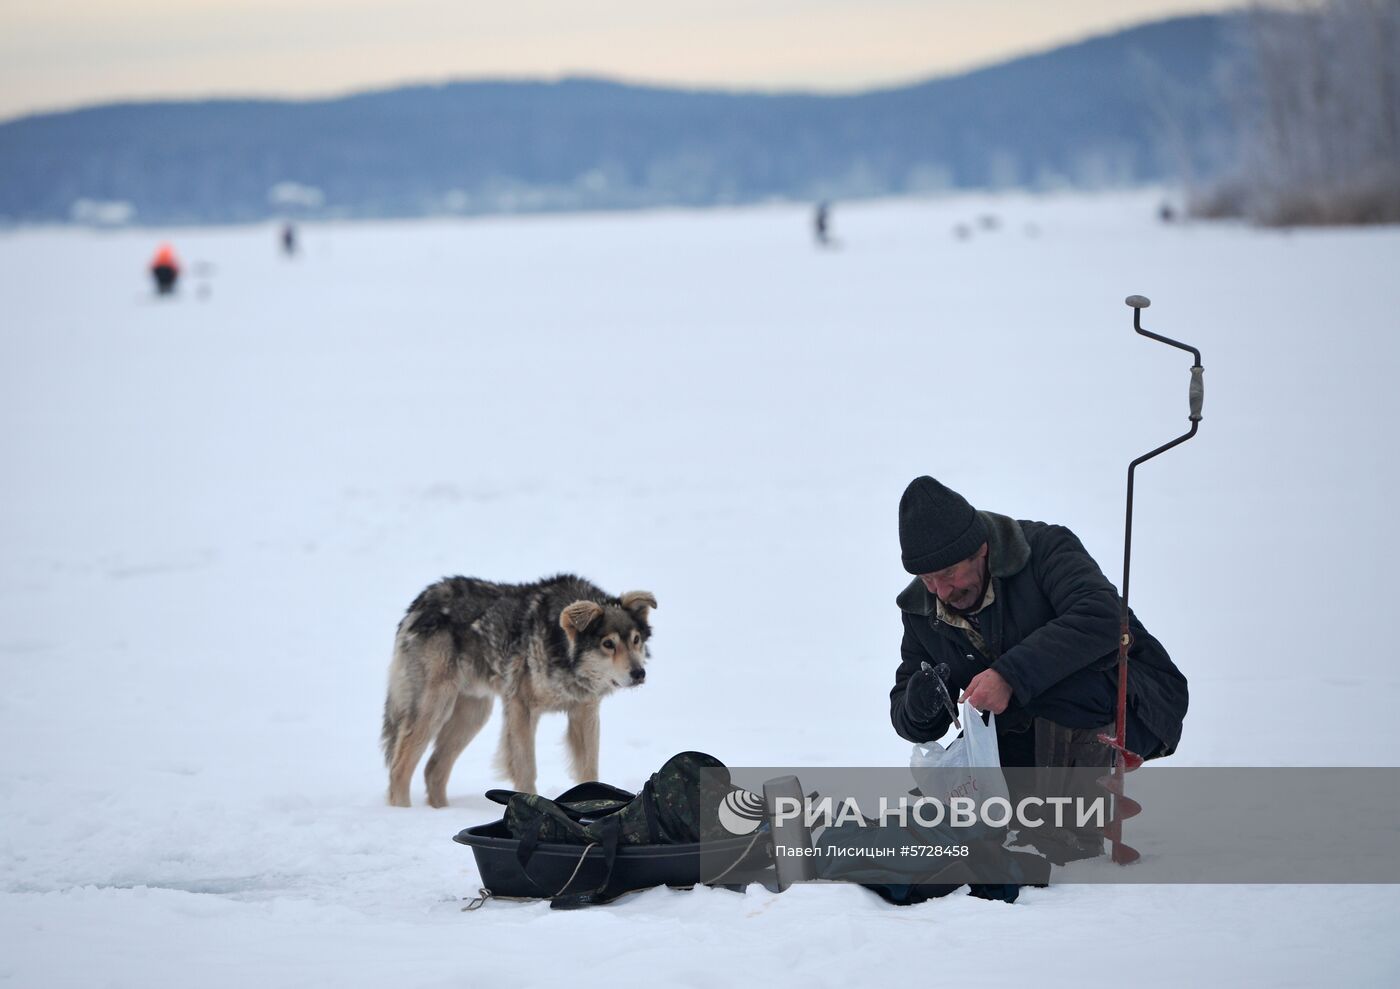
(1196, 395)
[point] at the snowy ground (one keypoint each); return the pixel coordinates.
(216, 508)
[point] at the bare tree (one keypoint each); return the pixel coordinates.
(1317, 95)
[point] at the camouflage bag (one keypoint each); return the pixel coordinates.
(669, 810)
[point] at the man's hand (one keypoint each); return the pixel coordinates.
(922, 697)
(988, 691)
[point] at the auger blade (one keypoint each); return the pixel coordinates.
(1130, 760)
(1122, 854)
(1125, 854)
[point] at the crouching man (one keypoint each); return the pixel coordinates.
(1028, 626)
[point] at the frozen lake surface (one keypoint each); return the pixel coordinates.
(217, 507)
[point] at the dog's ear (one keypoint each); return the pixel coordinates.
(638, 602)
(578, 616)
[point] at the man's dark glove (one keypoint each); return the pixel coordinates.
(923, 697)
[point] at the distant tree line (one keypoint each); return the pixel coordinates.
(1316, 93)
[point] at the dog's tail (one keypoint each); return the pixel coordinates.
(390, 731)
(393, 707)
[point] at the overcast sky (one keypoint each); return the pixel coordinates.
(62, 53)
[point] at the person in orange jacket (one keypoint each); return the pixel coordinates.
(165, 269)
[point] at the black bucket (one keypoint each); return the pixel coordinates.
(555, 869)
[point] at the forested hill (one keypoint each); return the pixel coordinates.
(1102, 111)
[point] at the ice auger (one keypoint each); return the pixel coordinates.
(1125, 760)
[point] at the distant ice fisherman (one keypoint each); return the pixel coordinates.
(165, 269)
(821, 224)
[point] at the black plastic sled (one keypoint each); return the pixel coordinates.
(555, 870)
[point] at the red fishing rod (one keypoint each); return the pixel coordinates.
(1125, 760)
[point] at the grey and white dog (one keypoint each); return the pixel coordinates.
(560, 644)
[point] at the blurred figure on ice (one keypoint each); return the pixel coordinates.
(289, 240)
(821, 223)
(165, 269)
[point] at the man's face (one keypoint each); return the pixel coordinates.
(960, 586)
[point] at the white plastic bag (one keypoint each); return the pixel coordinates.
(969, 767)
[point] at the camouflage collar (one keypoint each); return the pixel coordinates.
(957, 620)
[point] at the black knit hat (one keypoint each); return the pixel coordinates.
(937, 527)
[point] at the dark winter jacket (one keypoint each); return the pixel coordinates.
(1052, 633)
